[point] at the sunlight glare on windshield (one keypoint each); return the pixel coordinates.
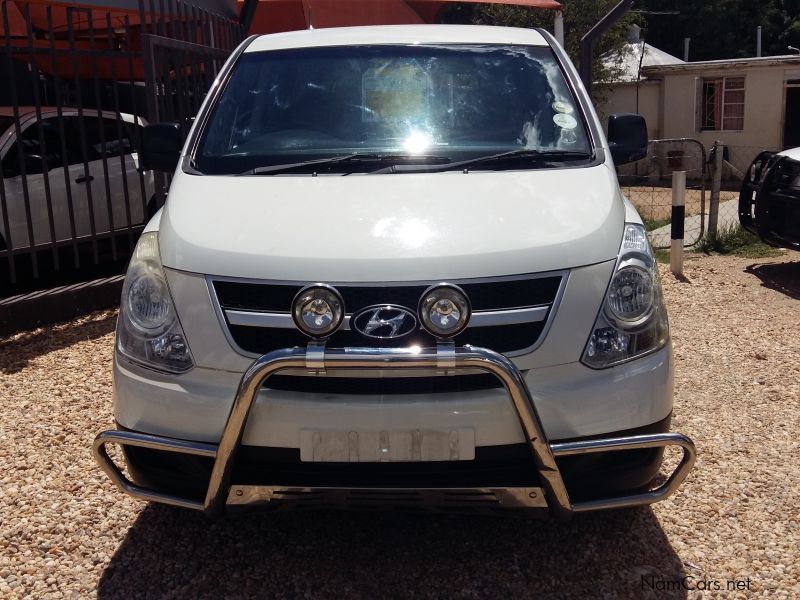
(417, 142)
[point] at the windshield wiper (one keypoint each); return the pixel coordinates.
(537, 155)
(347, 158)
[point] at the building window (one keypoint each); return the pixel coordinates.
(723, 104)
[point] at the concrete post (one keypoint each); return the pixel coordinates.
(716, 185)
(678, 220)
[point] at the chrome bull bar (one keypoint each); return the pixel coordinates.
(446, 359)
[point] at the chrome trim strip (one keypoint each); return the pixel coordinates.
(260, 319)
(403, 359)
(517, 316)
(486, 318)
(416, 282)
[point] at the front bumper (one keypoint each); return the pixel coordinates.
(447, 360)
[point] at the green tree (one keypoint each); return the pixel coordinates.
(723, 28)
(579, 17)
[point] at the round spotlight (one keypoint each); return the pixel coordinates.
(444, 310)
(318, 310)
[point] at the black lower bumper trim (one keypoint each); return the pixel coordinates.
(586, 476)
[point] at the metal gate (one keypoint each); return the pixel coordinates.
(179, 72)
(78, 86)
(647, 183)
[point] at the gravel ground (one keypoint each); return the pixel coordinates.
(66, 532)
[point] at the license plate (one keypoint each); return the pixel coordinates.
(416, 445)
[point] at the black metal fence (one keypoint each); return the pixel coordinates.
(78, 86)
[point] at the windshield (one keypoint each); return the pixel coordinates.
(424, 104)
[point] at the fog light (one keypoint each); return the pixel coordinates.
(444, 310)
(318, 310)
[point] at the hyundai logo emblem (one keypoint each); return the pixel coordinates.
(384, 322)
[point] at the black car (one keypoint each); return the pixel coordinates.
(769, 203)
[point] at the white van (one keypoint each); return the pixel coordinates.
(395, 268)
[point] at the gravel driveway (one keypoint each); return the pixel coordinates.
(66, 532)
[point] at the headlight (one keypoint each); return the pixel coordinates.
(318, 310)
(147, 301)
(633, 321)
(148, 330)
(444, 310)
(631, 294)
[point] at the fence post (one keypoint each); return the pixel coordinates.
(716, 186)
(678, 220)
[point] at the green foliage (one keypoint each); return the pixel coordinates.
(718, 28)
(662, 255)
(653, 224)
(579, 17)
(736, 241)
(723, 28)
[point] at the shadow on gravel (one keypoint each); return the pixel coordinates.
(781, 277)
(174, 553)
(18, 350)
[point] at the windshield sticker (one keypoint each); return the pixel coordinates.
(562, 107)
(565, 121)
(395, 93)
(568, 137)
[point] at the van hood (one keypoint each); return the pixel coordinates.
(392, 227)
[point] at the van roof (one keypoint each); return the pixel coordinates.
(398, 34)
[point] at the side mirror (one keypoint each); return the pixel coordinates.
(627, 138)
(161, 147)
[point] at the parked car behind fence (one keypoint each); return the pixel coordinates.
(70, 174)
(78, 83)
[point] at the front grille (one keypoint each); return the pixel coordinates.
(783, 211)
(786, 173)
(382, 386)
(495, 295)
(503, 338)
(258, 298)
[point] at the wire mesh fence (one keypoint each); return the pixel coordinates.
(735, 162)
(648, 185)
(712, 186)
